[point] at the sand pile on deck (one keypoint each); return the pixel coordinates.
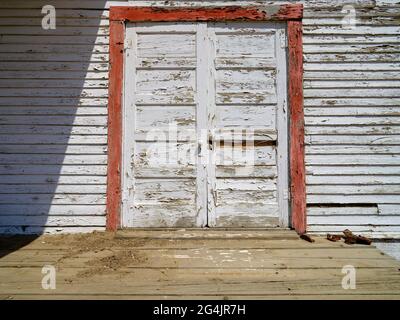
(104, 252)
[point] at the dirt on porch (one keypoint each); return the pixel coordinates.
(193, 263)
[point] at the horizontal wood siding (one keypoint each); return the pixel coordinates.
(352, 119)
(53, 118)
(53, 113)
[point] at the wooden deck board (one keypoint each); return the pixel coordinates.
(178, 264)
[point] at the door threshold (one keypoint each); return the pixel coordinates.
(205, 229)
(207, 233)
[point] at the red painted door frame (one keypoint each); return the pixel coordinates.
(291, 13)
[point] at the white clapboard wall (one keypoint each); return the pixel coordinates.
(53, 113)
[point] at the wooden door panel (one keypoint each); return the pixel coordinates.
(204, 111)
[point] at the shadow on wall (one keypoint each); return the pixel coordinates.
(53, 115)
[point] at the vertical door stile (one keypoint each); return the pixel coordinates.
(201, 122)
(128, 125)
(211, 125)
(282, 127)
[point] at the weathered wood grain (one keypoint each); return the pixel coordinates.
(337, 61)
(114, 141)
(213, 264)
(295, 90)
(142, 14)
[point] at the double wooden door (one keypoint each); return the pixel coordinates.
(205, 125)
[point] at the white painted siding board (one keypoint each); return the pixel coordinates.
(385, 209)
(53, 169)
(53, 210)
(52, 221)
(52, 66)
(371, 169)
(353, 139)
(53, 111)
(353, 189)
(59, 180)
(349, 149)
(341, 211)
(55, 56)
(352, 111)
(50, 130)
(23, 39)
(370, 57)
(80, 14)
(349, 120)
(56, 120)
(353, 179)
(36, 48)
(36, 20)
(24, 230)
(54, 140)
(365, 92)
(60, 30)
(380, 159)
(48, 188)
(389, 248)
(52, 101)
(45, 199)
(352, 199)
(352, 102)
(365, 48)
(356, 220)
(52, 159)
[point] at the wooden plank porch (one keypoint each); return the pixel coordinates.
(197, 264)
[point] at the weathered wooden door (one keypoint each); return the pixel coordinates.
(205, 125)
